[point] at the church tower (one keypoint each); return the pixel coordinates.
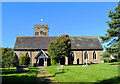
(41, 30)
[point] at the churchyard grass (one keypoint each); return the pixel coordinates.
(10, 76)
(97, 73)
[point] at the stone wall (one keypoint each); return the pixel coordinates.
(32, 54)
(78, 55)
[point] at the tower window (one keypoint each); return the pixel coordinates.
(85, 55)
(94, 55)
(36, 33)
(41, 32)
(45, 29)
(45, 33)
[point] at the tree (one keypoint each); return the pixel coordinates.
(51, 49)
(106, 56)
(113, 33)
(59, 48)
(8, 59)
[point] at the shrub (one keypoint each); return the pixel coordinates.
(106, 57)
(24, 60)
(107, 60)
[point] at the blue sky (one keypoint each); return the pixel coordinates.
(72, 18)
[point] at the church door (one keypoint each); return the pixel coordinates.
(41, 62)
(78, 61)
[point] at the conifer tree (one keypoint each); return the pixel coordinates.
(8, 58)
(113, 33)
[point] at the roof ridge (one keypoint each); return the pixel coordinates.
(34, 36)
(58, 36)
(85, 36)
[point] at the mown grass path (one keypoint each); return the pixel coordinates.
(44, 76)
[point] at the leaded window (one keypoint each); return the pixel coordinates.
(85, 55)
(27, 54)
(94, 55)
(41, 32)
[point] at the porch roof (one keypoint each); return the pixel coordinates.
(41, 54)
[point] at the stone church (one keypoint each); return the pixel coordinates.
(35, 47)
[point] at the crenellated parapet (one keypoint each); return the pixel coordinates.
(39, 26)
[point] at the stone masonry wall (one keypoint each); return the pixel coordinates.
(80, 54)
(77, 55)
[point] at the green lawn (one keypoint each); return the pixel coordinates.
(10, 76)
(96, 73)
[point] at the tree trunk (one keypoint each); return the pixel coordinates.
(107, 60)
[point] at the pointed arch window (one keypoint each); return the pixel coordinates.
(94, 55)
(41, 32)
(45, 33)
(85, 55)
(27, 54)
(72, 56)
